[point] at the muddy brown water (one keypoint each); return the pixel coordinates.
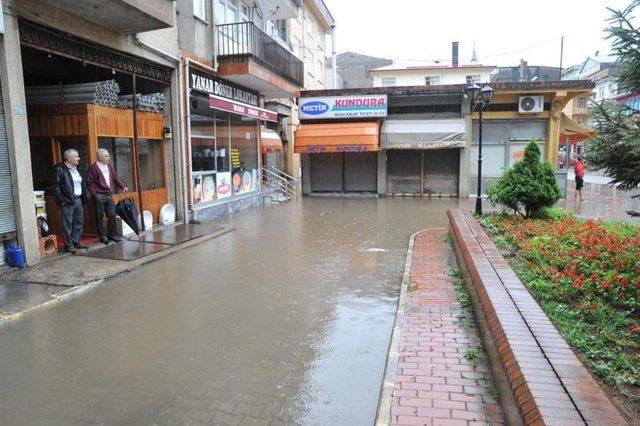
(285, 320)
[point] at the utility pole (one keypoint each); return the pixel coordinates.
(561, 55)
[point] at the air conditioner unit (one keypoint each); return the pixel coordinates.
(531, 104)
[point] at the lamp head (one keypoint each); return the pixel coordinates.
(472, 92)
(486, 94)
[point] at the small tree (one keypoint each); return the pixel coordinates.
(529, 185)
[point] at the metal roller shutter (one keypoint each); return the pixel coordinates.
(361, 172)
(441, 171)
(326, 172)
(7, 214)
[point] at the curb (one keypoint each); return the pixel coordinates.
(74, 291)
(383, 414)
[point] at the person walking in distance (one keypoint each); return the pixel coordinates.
(103, 181)
(579, 169)
(70, 195)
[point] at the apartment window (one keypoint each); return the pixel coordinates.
(310, 27)
(297, 46)
(582, 102)
(471, 79)
(199, 9)
(319, 70)
(310, 63)
(388, 81)
(431, 81)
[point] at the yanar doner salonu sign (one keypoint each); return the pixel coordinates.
(332, 107)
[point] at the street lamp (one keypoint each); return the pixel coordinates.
(480, 100)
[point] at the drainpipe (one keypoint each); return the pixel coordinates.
(179, 76)
(334, 68)
(214, 36)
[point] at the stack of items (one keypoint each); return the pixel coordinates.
(104, 93)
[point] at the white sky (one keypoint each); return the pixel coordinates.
(504, 30)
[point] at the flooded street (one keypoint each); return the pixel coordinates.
(285, 320)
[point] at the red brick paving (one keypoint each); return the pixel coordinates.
(435, 384)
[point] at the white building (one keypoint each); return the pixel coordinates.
(433, 73)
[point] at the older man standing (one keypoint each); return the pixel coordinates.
(102, 182)
(70, 196)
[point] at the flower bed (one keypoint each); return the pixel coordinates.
(586, 276)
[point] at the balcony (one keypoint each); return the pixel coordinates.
(244, 43)
(121, 16)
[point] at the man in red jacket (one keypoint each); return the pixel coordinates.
(102, 181)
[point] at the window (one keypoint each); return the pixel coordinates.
(297, 46)
(582, 102)
(245, 12)
(226, 12)
(388, 81)
(319, 70)
(121, 157)
(150, 163)
(310, 63)
(473, 79)
(431, 81)
(310, 28)
(244, 154)
(200, 9)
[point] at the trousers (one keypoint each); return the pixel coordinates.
(103, 205)
(72, 223)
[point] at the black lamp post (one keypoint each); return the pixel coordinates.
(480, 100)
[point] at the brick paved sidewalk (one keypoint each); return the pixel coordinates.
(435, 382)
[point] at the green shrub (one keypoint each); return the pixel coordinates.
(529, 185)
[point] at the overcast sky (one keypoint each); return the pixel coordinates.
(504, 30)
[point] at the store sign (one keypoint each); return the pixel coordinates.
(216, 86)
(242, 109)
(321, 149)
(365, 106)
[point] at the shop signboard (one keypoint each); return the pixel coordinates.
(343, 107)
(227, 96)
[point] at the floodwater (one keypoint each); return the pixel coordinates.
(285, 320)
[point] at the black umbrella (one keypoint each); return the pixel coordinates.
(127, 211)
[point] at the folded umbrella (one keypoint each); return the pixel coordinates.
(127, 211)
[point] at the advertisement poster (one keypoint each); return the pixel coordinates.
(364, 106)
(204, 188)
(245, 181)
(224, 185)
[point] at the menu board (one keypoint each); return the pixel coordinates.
(235, 158)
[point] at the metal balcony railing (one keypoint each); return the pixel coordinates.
(245, 39)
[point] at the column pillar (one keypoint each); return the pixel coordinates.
(382, 172)
(11, 77)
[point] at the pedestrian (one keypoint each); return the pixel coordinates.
(70, 195)
(579, 169)
(103, 181)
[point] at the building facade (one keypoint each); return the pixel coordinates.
(355, 68)
(525, 72)
(423, 140)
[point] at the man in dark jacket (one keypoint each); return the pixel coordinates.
(102, 182)
(70, 194)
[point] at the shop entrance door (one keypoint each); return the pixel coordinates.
(404, 171)
(441, 172)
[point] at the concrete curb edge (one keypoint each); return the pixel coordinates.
(383, 414)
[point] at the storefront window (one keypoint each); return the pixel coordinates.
(121, 155)
(150, 163)
(244, 154)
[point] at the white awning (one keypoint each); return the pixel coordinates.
(423, 134)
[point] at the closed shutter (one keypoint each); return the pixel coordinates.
(7, 214)
(361, 172)
(326, 172)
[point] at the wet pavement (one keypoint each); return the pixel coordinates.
(285, 320)
(601, 202)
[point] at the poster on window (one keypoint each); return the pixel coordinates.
(245, 181)
(223, 187)
(204, 188)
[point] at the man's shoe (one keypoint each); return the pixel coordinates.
(104, 240)
(81, 247)
(71, 250)
(115, 239)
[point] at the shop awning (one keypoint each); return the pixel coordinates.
(423, 134)
(572, 131)
(337, 137)
(269, 141)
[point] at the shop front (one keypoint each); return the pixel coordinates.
(339, 140)
(423, 156)
(225, 126)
